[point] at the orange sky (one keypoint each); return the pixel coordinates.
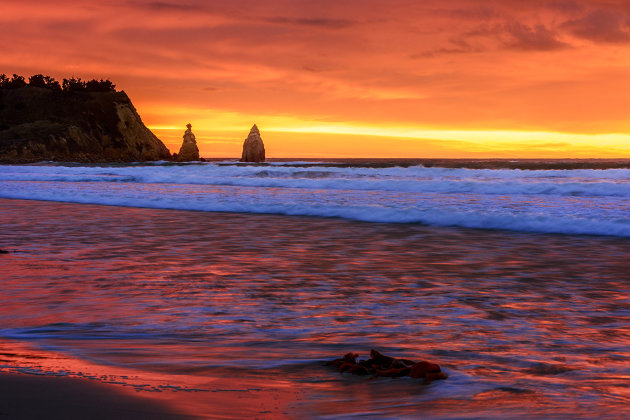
(384, 78)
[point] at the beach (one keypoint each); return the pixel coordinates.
(232, 315)
(38, 383)
(39, 396)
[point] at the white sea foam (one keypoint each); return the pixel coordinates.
(559, 201)
(614, 182)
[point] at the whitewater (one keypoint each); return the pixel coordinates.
(578, 201)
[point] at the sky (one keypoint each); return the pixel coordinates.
(349, 78)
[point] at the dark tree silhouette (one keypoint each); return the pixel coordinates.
(18, 81)
(15, 83)
(73, 85)
(70, 85)
(37, 80)
(100, 86)
(52, 84)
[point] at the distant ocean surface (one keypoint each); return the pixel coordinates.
(494, 195)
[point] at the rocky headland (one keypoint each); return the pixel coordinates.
(76, 121)
(253, 147)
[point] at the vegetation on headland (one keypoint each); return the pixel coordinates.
(47, 82)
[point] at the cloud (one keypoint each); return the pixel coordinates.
(477, 13)
(566, 6)
(519, 36)
(532, 38)
(458, 46)
(603, 25)
(166, 6)
(440, 51)
(550, 145)
(327, 23)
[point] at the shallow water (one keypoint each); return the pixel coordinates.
(526, 325)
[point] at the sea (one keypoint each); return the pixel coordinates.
(222, 287)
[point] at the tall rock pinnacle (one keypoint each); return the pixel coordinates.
(253, 148)
(189, 151)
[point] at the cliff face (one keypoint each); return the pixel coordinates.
(253, 147)
(41, 124)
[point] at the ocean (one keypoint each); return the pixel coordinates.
(170, 279)
(582, 201)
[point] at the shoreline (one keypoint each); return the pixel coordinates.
(24, 396)
(452, 228)
(36, 383)
(447, 163)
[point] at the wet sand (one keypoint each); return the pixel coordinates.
(28, 396)
(25, 396)
(37, 383)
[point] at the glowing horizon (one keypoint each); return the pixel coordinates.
(439, 142)
(467, 143)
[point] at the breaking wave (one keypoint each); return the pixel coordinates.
(580, 201)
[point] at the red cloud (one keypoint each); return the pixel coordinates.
(602, 25)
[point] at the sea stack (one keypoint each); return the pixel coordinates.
(253, 148)
(189, 150)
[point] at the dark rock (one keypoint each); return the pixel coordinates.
(347, 358)
(189, 151)
(381, 365)
(2, 251)
(42, 124)
(253, 147)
